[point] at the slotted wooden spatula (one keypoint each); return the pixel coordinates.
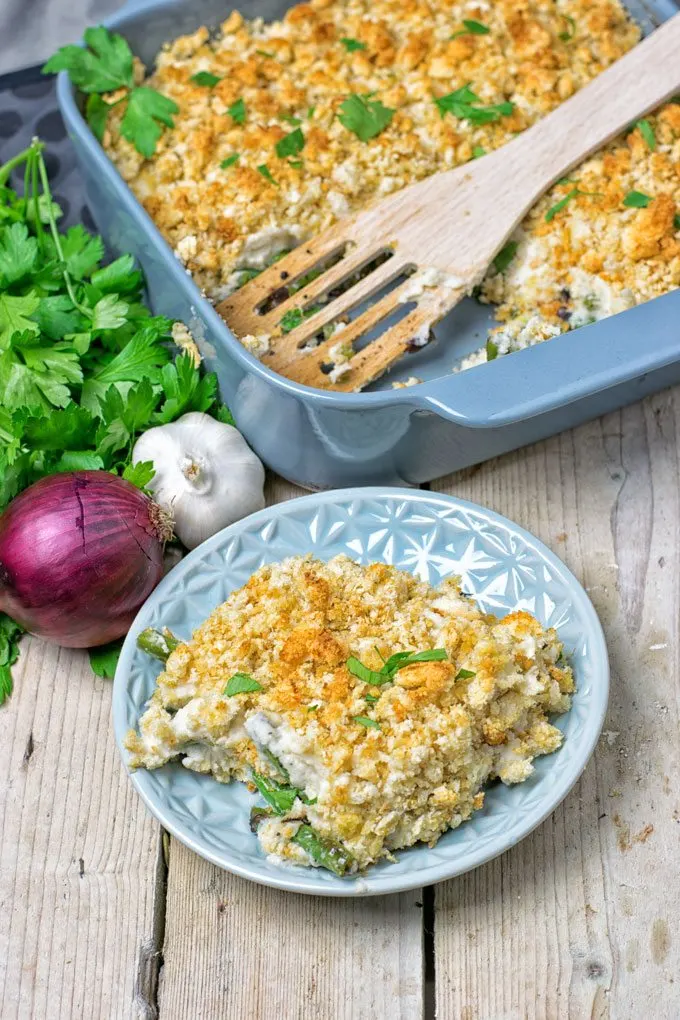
(444, 231)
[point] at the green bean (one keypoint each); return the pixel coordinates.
(323, 851)
(158, 643)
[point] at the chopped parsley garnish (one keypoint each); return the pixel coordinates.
(237, 111)
(241, 683)
(471, 28)
(290, 145)
(637, 200)
(676, 221)
(363, 720)
(563, 202)
(312, 708)
(296, 164)
(491, 350)
(294, 317)
(352, 44)
(206, 79)
(392, 665)
(365, 117)
(105, 64)
(647, 132)
(369, 676)
(310, 112)
(465, 674)
(570, 31)
(371, 698)
(295, 121)
(464, 104)
(505, 256)
(271, 757)
(478, 152)
(265, 53)
(266, 173)
(229, 161)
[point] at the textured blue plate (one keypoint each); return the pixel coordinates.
(433, 536)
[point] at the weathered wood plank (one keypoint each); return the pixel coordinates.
(235, 949)
(580, 920)
(79, 855)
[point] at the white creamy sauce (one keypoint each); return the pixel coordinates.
(304, 768)
(263, 245)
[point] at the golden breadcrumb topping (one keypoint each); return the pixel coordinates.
(602, 241)
(294, 75)
(382, 765)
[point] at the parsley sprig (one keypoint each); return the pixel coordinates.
(364, 116)
(471, 27)
(466, 105)
(391, 666)
(105, 64)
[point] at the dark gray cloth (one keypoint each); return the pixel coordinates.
(31, 30)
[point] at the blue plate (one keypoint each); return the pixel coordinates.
(433, 536)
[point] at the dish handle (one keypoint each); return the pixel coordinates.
(589, 360)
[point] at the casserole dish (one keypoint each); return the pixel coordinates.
(412, 435)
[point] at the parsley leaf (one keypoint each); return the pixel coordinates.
(104, 659)
(139, 474)
(18, 253)
(120, 276)
(35, 375)
(465, 674)
(14, 312)
(647, 132)
(637, 200)
(491, 350)
(266, 173)
(505, 256)
(96, 114)
(291, 144)
(10, 632)
(146, 112)
(103, 66)
(229, 161)
(478, 151)
(369, 724)
(295, 121)
(464, 104)
(205, 79)
(241, 683)
(570, 31)
(369, 676)
(351, 45)
(676, 221)
(559, 206)
(185, 390)
(82, 251)
(471, 28)
(110, 312)
(365, 117)
(294, 317)
(237, 111)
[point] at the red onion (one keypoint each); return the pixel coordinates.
(79, 553)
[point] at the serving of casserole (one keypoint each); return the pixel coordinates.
(367, 707)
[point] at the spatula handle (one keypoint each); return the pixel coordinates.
(626, 91)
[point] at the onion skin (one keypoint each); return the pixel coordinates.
(79, 554)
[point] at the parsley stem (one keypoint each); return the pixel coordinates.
(15, 161)
(55, 234)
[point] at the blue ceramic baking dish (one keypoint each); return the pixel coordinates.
(385, 436)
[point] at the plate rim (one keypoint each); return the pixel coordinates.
(296, 879)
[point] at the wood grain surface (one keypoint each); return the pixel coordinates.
(578, 921)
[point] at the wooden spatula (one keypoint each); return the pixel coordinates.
(444, 231)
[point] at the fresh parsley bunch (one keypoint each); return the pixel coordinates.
(84, 366)
(103, 65)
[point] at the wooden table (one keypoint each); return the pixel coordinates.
(103, 915)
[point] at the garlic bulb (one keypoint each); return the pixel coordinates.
(206, 474)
